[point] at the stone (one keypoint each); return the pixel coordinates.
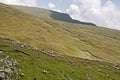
(22, 46)
(116, 66)
(70, 78)
(53, 55)
(29, 48)
(1, 77)
(107, 75)
(73, 64)
(19, 70)
(101, 66)
(1, 52)
(99, 70)
(22, 74)
(8, 70)
(45, 71)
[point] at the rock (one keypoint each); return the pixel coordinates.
(29, 48)
(35, 48)
(22, 74)
(107, 75)
(70, 78)
(9, 63)
(8, 70)
(19, 70)
(99, 70)
(17, 41)
(45, 71)
(1, 77)
(53, 55)
(1, 52)
(88, 61)
(116, 66)
(89, 67)
(22, 46)
(73, 64)
(89, 78)
(101, 66)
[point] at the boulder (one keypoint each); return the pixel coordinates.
(45, 71)
(1, 52)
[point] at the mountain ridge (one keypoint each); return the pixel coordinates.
(56, 15)
(65, 17)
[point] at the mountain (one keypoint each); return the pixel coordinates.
(55, 15)
(67, 18)
(47, 48)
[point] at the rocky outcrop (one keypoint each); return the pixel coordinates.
(8, 69)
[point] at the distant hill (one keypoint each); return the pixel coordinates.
(67, 18)
(50, 14)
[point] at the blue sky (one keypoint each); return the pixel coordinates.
(64, 4)
(117, 3)
(60, 4)
(105, 13)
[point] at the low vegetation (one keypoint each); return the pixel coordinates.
(39, 64)
(49, 49)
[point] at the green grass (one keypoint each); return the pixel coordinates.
(60, 37)
(34, 63)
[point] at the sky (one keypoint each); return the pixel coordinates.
(105, 13)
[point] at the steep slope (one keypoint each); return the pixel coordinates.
(56, 36)
(37, 64)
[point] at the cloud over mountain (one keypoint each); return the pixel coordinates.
(51, 5)
(103, 14)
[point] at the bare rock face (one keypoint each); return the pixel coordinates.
(8, 69)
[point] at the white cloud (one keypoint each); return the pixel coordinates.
(94, 11)
(20, 2)
(53, 7)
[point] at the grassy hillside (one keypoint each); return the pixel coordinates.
(77, 40)
(37, 47)
(38, 64)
